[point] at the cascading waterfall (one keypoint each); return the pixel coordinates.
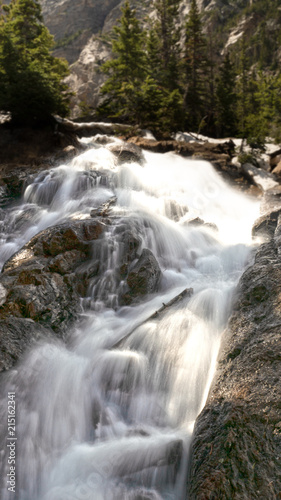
(109, 419)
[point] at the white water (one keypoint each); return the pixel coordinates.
(95, 423)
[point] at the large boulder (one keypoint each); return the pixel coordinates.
(42, 280)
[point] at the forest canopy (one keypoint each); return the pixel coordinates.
(31, 78)
(173, 75)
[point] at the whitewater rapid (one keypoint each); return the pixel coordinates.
(96, 421)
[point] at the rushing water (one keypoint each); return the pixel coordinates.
(100, 422)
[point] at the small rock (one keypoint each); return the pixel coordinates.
(277, 170)
(144, 277)
(127, 152)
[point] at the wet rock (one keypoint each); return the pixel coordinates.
(144, 276)
(237, 438)
(66, 263)
(174, 210)
(197, 222)
(104, 209)
(266, 225)
(16, 334)
(67, 153)
(127, 152)
(40, 280)
(260, 178)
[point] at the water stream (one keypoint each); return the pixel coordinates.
(102, 423)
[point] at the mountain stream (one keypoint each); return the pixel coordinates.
(98, 417)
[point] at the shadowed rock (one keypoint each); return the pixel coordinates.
(143, 277)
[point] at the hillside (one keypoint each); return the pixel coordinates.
(81, 32)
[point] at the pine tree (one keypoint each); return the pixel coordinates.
(31, 85)
(262, 109)
(134, 90)
(242, 90)
(195, 67)
(126, 70)
(166, 34)
(226, 119)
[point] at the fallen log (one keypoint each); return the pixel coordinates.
(187, 292)
(91, 128)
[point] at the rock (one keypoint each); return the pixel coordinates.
(271, 200)
(277, 170)
(237, 438)
(262, 179)
(104, 209)
(3, 294)
(265, 226)
(67, 153)
(76, 22)
(40, 280)
(143, 277)
(16, 334)
(197, 222)
(126, 152)
(275, 158)
(65, 263)
(174, 210)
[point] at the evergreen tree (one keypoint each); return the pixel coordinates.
(262, 111)
(126, 70)
(196, 67)
(243, 90)
(166, 36)
(31, 78)
(226, 119)
(134, 91)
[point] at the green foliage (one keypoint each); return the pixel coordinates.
(67, 39)
(155, 82)
(31, 85)
(133, 91)
(226, 106)
(246, 158)
(127, 69)
(195, 67)
(166, 37)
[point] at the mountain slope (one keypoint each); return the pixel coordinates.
(81, 32)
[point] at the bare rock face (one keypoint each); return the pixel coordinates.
(237, 439)
(72, 23)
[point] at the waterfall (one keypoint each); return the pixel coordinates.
(103, 418)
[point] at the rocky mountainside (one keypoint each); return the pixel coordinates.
(81, 34)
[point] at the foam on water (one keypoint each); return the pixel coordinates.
(115, 423)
